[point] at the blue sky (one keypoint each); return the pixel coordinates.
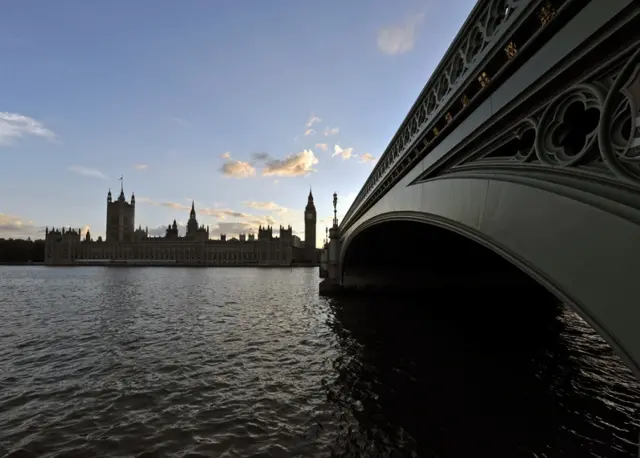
(241, 106)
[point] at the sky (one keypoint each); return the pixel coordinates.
(239, 106)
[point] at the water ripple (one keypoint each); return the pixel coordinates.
(250, 362)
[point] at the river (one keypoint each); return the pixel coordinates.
(244, 362)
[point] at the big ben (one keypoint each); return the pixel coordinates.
(310, 230)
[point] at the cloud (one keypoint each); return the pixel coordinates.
(14, 126)
(226, 155)
(141, 166)
(86, 171)
(366, 157)
(161, 231)
(266, 206)
(18, 228)
(309, 132)
(84, 230)
(214, 212)
(313, 119)
(298, 164)
(230, 221)
(331, 131)
(237, 169)
(399, 38)
(175, 206)
(260, 156)
(322, 146)
(346, 153)
(293, 165)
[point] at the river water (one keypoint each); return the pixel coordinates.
(250, 363)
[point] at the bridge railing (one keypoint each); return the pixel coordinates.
(493, 35)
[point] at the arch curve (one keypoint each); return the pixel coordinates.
(541, 230)
(469, 233)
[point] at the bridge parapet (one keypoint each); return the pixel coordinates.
(497, 37)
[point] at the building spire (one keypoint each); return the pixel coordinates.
(193, 210)
(310, 194)
(121, 197)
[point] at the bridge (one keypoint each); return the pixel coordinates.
(519, 162)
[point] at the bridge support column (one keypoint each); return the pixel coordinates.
(331, 284)
(324, 261)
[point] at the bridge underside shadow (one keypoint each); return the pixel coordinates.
(409, 258)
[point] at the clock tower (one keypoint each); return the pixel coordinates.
(310, 229)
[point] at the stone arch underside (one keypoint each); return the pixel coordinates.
(580, 247)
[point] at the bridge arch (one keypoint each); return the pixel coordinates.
(408, 250)
(577, 244)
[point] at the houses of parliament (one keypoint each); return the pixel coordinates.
(126, 245)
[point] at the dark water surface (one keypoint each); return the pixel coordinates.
(251, 363)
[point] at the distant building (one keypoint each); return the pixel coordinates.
(125, 245)
(310, 217)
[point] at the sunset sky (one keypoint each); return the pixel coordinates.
(240, 106)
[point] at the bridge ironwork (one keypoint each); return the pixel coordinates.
(495, 40)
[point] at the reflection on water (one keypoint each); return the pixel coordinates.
(442, 381)
(250, 362)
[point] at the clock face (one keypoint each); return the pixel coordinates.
(309, 216)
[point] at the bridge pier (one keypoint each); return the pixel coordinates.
(331, 283)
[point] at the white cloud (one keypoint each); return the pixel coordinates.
(226, 155)
(309, 132)
(346, 153)
(322, 146)
(86, 171)
(238, 169)
(313, 119)
(15, 227)
(14, 126)
(271, 206)
(228, 221)
(161, 231)
(331, 131)
(214, 212)
(141, 166)
(297, 164)
(399, 38)
(366, 157)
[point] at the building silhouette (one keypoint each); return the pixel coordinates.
(126, 245)
(310, 217)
